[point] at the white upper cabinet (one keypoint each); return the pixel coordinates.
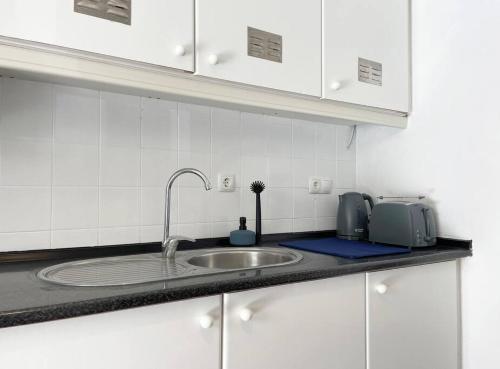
(177, 335)
(158, 32)
(314, 325)
(268, 43)
(413, 317)
(366, 50)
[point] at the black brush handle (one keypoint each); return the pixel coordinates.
(258, 220)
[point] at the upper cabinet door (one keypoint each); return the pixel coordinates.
(158, 32)
(314, 325)
(366, 50)
(413, 317)
(269, 43)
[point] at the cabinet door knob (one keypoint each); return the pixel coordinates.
(335, 85)
(213, 59)
(381, 288)
(206, 321)
(246, 314)
(180, 50)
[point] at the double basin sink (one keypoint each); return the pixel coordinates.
(135, 269)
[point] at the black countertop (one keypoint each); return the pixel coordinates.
(25, 299)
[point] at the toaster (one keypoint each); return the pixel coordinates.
(403, 223)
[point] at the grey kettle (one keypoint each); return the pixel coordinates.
(352, 216)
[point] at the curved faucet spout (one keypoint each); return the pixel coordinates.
(166, 229)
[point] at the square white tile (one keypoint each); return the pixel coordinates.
(194, 205)
(120, 120)
(304, 136)
(119, 235)
(279, 132)
(277, 226)
(327, 169)
(73, 238)
(75, 207)
(302, 169)
(278, 204)
(304, 225)
(25, 162)
(25, 110)
(195, 230)
(157, 166)
(23, 241)
(153, 233)
(326, 224)
(253, 134)
(224, 206)
(326, 141)
(76, 115)
(119, 207)
(279, 172)
(194, 128)
(120, 166)
(76, 164)
(303, 203)
(226, 128)
(346, 174)
(159, 124)
(24, 209)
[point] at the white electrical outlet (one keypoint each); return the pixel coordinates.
(225, 182)
(320, 185)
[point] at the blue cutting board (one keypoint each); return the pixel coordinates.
(345, 248)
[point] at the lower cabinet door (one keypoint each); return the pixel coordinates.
(177, 335)
(413, 317)
(313, 325)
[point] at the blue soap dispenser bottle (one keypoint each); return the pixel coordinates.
(242, 236)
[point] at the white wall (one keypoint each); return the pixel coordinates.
(83, 167)
(451, 151)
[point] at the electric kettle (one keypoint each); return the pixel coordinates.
(352, 216)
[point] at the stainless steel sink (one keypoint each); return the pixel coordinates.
(135, 269)
(244, 258)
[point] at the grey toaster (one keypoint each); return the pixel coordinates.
(403, 223)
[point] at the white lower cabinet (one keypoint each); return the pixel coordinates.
(175, 335)
(314, 325)
(412, 317)
(396, 319)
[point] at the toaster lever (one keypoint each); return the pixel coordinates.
(427, 237)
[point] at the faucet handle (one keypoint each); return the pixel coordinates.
(181, 238)
(169, 246)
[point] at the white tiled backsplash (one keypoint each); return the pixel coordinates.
(84, 167)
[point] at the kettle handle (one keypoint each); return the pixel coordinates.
(369, 199)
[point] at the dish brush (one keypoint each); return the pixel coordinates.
(257, 187)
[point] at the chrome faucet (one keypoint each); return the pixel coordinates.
(169, 243)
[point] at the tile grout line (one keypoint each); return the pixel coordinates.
(52, 161)
(141, 116)
(99, 169)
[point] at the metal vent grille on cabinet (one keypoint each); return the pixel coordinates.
(113, 10)
(264, 45)
(369, 72)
